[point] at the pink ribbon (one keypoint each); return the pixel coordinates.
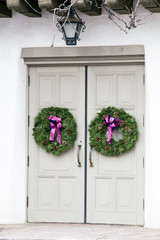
(55, 126)
(112, 124)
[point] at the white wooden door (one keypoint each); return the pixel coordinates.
(56, 183)
(115, 184)
(115, 187)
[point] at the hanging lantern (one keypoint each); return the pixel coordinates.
(71, 27)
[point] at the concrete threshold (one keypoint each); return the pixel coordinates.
(51, 231)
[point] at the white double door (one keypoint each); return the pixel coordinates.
(112, 190)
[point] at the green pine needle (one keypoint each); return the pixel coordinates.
(41, 130)
(129, 130)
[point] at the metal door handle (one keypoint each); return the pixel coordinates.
(78, 157)
(90, 158)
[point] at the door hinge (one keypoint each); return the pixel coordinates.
(143, 79)
(143, 162)
(143, 120)
(28, 120)
(27, 201)
(143, 204)
(28, 81)
(27, 161)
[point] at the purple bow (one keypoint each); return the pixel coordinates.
(55, 126)
(112, 124)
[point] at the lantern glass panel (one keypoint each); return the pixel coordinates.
(70, 29)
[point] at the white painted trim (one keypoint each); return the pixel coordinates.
(83, 55)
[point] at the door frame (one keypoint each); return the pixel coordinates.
(78, 56)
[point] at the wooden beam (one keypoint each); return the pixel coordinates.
(151, 5)
(4, 11)
(120, 6)
(22, 7)
(89, 8)
(49, 4)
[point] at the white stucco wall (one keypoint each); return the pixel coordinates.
(19, 32)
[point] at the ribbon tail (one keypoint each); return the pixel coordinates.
(52, 132)
(109, 134)
(58, 139)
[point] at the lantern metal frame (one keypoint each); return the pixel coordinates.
(71, 19)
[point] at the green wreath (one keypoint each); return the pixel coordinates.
(127, 125)
(64, 129)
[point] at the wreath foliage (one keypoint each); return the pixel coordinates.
(41, 130)
(128, 127)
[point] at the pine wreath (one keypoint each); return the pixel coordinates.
(52, 117)
(126, 124)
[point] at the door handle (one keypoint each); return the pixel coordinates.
(78, 157)
(90, 158)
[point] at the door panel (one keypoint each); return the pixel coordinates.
(56, 184)
(115, 184)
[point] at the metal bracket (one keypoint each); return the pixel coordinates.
(28, 120)
(27, 201)
(28, 161)
(28, 81)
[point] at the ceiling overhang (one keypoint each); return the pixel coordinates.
(91, 7)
